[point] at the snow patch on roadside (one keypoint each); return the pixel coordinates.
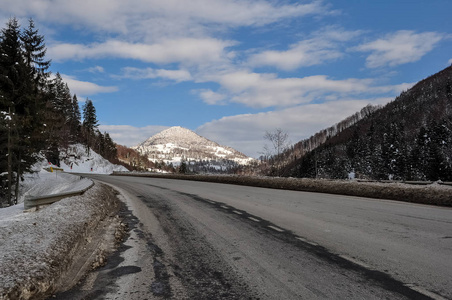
(37, 247)
(9, 212)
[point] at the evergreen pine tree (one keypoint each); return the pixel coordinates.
(34, 52)
(438, 167)
(14, 100)
(58, 112)
(183, 167)
(110, 151)
(90, 123)
(419, 155)
(98, 142)
(75, 120)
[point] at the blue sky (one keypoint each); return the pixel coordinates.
(232, 69)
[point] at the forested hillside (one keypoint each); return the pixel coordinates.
(408, 139)
(38, 115)
(133, 160)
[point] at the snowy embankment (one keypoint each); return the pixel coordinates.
(38, 248)
(43, 182)
(49, 183)
(76, 159)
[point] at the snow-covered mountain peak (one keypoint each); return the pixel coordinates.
(177, 143)
(177, 135)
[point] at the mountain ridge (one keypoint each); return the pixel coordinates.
(409, 138)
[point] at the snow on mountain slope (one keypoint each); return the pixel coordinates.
(177, 143)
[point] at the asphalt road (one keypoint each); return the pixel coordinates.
(195, 240)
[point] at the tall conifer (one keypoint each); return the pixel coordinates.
(90, 122)
(13, 100)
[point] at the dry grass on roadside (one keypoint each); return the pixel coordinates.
(434, 194)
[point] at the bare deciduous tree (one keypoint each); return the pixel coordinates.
(279, 141)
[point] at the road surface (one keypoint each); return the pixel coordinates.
(197, 240)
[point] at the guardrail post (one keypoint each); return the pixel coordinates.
(27, 202)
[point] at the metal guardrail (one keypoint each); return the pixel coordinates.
(31, 202)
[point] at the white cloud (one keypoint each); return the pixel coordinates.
(245, 132)
(266, 90)
(129, 135)
(324, 46)
(248, 13)
(261, 90)
(84, 88)
(150, 73)
(450, 61)
(185, 51)
(96, 69)
(143, 18)
(176, 75)
(398, 48)
(210, 97)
